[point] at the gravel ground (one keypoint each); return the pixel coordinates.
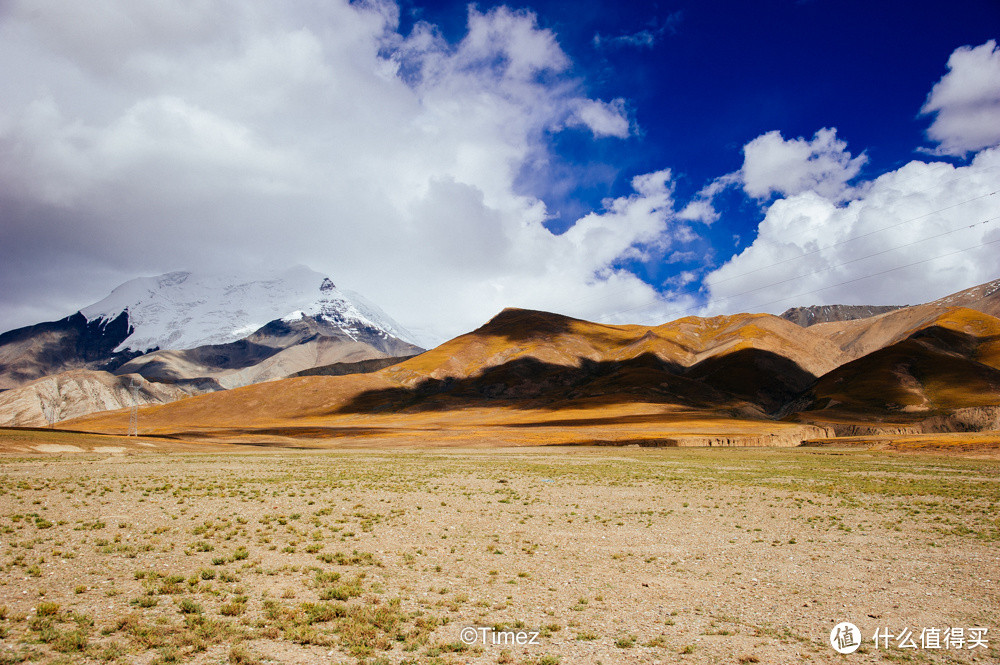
(597, 555)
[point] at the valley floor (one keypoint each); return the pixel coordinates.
(610, 555)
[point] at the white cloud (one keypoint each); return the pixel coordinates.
(812, 249)
(646, 38)
(966, 102)
(773, 165)
(515, 36)
(909, 236)
(603, 118)
(700, 209)
(142, 137)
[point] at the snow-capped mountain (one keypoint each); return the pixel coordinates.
(209, 331)
(184, 310)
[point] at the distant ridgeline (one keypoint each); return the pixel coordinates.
(807, 316)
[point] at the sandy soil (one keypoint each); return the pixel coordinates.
(611, 555)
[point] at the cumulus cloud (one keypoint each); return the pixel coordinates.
(603, 118)
(774, 165)
(141, 137)
(909, 236)
(915, 234)
(966, 102)
(699, 209)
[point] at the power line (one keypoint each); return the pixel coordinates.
(858, 279)
(858, 237)
(821, 249)
(860, 258)
(830, 286)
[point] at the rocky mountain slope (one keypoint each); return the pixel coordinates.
(807, 316)
(281, 348)
(946, 363)
(79, 392)
(75, 342)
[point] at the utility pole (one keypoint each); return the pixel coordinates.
(49, 410)
(133, 415)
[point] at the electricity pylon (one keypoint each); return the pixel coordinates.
(133, 414)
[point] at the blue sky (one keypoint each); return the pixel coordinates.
(621, 162)
(704, 78)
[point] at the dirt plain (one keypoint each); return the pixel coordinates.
(140, 551)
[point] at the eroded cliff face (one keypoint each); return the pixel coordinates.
(77, 393)
(969, 419)
(789, 437)
(876, 430)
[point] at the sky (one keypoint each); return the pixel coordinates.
(618, 162)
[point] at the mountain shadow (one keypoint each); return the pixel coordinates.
(948, 340)
(532, 384)
(934, 370)
(760, 377)
(359, 367)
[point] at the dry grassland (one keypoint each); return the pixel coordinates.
(611, 555)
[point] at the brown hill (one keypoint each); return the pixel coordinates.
(949, 363)
(533, 368)
(747, 363)
(317, 411)
(862, 336)
(552, 339)
(359, 367)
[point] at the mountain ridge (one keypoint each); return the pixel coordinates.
(813, 314)
(728, 378)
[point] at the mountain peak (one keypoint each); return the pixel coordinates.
(184, 309)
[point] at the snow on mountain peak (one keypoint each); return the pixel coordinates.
(182, 310)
